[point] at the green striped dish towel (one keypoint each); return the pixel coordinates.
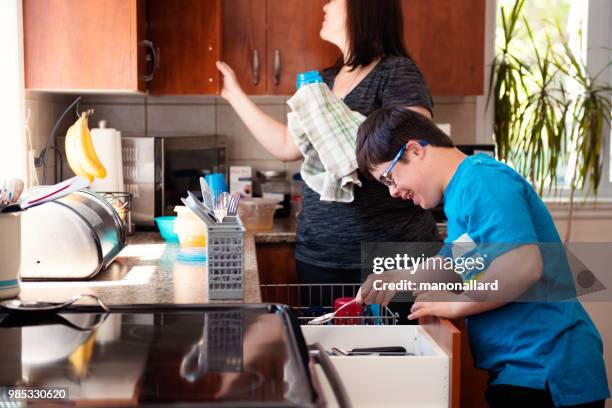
(325, 131)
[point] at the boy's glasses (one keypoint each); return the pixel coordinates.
(385, 178)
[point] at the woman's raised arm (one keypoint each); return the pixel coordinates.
(272, 134)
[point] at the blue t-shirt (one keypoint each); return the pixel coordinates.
(536, 344)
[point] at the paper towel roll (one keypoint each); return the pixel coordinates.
(107, 142)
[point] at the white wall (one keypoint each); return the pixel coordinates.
(12, 112)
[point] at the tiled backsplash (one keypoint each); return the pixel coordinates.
(208, 115)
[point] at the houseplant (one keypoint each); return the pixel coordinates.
(541, 124)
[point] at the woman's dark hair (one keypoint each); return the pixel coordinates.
(375, 28)
(383, 133)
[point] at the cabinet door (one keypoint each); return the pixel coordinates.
(446, 39)
(276, 266)
(294, 44)
(187, 36)
(244, 42)
(83, 45)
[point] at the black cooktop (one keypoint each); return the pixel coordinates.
(235, 355)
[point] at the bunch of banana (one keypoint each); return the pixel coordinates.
(80, 151)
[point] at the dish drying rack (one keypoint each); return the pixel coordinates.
(311, 300)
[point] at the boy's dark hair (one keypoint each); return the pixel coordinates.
(375, 29)
(383, 133)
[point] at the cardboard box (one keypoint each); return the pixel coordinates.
(241, 180)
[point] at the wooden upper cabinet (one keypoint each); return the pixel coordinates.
(104, 45)
(101, 45)
(187, 37)
(268, 42)
(445, 37)
(294, 44)
(446, 40)
(84, 45)
(244, 42)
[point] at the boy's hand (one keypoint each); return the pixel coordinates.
(449, 306)
(447, 310)
(368, 295)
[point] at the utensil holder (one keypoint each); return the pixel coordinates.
(225, 259)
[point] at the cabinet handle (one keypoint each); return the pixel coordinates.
(152, 56)
(277, 67)
(255, 67)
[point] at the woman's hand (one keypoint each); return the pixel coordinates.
(230, 83)
(271, 133)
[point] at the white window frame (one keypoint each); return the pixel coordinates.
(598, 54)
(598, 41)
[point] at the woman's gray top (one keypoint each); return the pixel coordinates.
(329, 234)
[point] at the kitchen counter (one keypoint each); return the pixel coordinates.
(284, 232)
(147, 271)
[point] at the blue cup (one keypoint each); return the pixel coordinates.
(305, 78)
(217, 184)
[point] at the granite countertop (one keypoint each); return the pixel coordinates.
(147, 271)
(284, 232)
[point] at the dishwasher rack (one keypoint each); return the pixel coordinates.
(311, 300)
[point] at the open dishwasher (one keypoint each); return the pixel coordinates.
(424, 374)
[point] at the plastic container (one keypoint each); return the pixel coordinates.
(10, 253)
(190, 229)
(309, 77)
(166, 228)
(257, 214)
(217, 184)
(351, 310)
(192, 255)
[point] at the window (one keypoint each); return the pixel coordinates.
(585, 23)
(12, 100)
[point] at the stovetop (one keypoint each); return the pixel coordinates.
(239, 356)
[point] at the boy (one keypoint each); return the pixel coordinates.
(544, 354)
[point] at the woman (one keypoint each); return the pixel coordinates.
(374, 71)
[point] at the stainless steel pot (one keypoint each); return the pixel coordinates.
(74, 237)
